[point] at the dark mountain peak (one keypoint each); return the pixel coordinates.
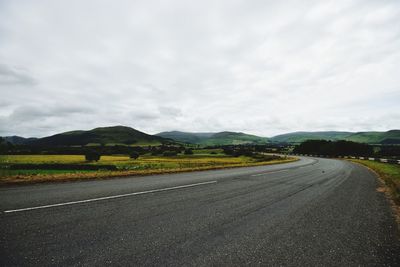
(101, 135)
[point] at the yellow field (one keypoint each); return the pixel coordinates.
(57, 159)
(42, 159)
(125, 161)
(126, 166)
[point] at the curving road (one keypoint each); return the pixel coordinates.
(318, 212)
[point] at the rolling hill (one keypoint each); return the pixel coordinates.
(104, 135)
(186, 137)
(298, 137)
(209, 139)
(129, 136)
(389, 137)
(234, 138)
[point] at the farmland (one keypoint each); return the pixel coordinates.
(145, 164)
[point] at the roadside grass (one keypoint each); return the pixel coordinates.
(144, 165)
(390, 173)
(5, 172)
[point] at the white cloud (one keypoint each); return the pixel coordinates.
(263, 67)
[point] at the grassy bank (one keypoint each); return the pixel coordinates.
(390, 173)
(144, 165)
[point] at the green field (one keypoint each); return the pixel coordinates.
(390, 173)
(200, 160)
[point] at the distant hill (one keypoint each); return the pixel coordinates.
(298, 137)
(185, 137)
(18, 140)
(129, 136)
(104, 135)
(221, 138)
(234, 138)
(389, 137)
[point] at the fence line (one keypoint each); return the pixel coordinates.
(392, 161)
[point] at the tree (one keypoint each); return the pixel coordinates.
(170, 153)
(243, 152)
(333, 148)
(133, 155)
(5, 146)
(92, 156)
(155, 152)
(188, 151)
(229, 151)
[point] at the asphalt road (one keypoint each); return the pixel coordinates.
(318, 212)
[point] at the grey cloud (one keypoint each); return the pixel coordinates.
(34, 112)
(170, 111)
(144, 116)
(40, 120)
(13, 75)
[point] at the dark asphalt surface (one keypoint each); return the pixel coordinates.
(314, 212)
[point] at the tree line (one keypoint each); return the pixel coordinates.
(318, 147)
(334, 148)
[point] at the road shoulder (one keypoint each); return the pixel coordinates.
(388, 182)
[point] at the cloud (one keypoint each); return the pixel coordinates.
(264, 67)
(170, 111)
(13, 75)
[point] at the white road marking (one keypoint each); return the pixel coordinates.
(110, 197)
(264, 173)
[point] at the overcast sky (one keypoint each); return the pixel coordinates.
(261, 67)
